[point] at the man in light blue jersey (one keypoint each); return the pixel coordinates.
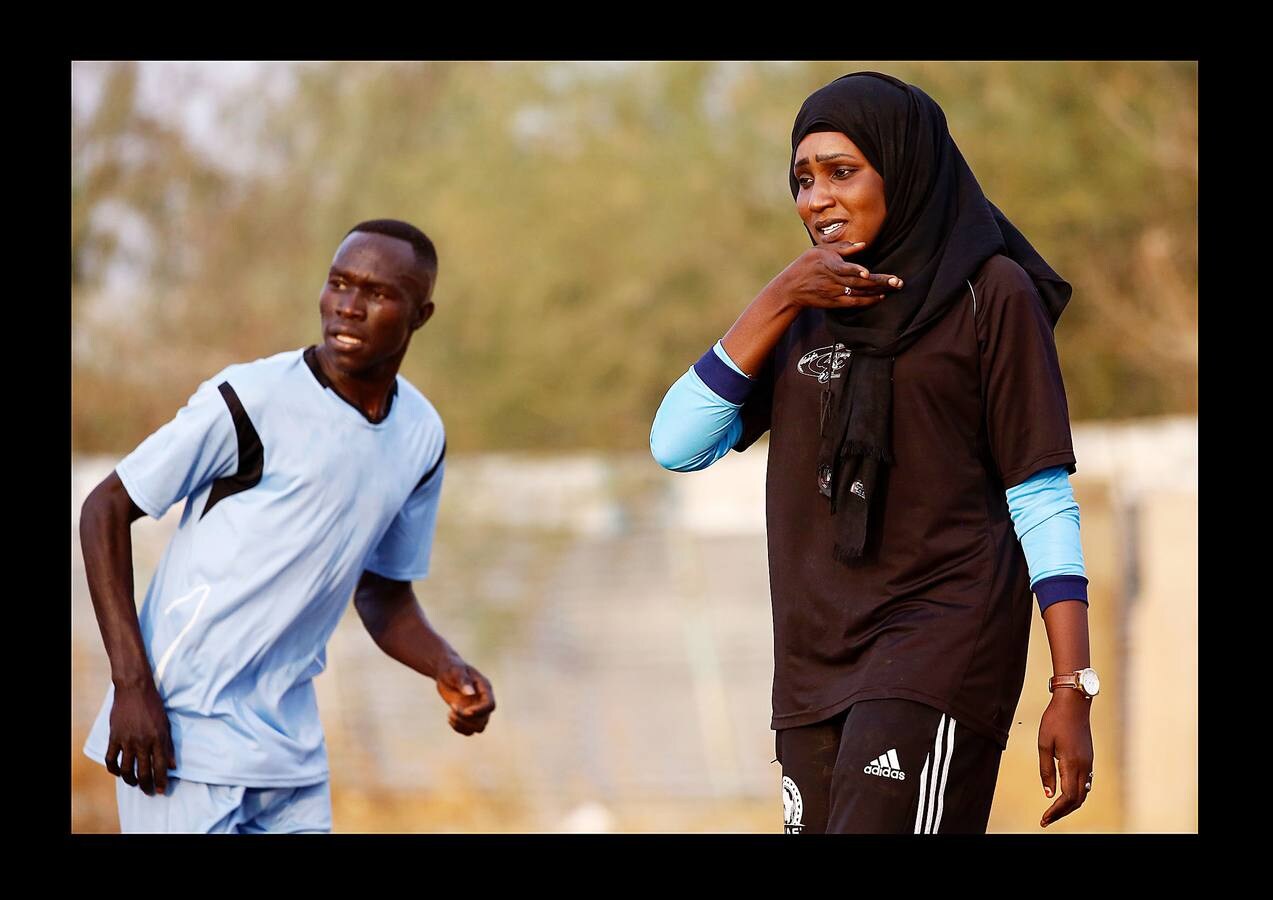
(309, 476)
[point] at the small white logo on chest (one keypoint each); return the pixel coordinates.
(821, 365)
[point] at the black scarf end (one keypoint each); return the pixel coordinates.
(858, 448)
(847, 555)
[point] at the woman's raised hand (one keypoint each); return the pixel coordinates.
(818, 277)
(822, 277)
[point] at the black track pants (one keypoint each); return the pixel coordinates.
(887, 767)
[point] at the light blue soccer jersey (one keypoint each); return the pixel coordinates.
(292, 493)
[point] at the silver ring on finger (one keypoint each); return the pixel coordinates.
(847, 290)
(1088, 787)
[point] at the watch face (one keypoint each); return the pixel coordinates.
(1090, 682)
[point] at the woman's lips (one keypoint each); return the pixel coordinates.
(834, 231)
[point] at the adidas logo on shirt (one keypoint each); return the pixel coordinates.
(886, 766)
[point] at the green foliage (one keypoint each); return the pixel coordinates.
(599, 225)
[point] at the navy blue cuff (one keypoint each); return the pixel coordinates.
(1058, 588)
(717, 375)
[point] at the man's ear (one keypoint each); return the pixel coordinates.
(424, 309)
(423, 312)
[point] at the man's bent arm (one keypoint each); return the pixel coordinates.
(107, 544)
(139, 725)
(394, 619)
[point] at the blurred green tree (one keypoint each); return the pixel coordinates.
(599, 224)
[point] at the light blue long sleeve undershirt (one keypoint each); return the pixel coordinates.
(695, 427)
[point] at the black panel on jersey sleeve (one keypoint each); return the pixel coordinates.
(251, 453)
(429, 474)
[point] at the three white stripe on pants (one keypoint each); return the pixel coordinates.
(932, 790)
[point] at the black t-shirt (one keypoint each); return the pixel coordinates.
(938, 610)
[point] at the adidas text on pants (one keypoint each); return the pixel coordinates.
(887, 767)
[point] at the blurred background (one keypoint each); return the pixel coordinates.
(599, 224)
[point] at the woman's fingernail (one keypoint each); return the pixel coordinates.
(894, 282)
(1047, 792)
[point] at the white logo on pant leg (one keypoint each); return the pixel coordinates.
(887, 766)
(792, 806)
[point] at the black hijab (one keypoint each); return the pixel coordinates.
(938, 231)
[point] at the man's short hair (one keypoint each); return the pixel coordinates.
(425, 255)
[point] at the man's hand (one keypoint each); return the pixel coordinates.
(139, 729)
(399, 627)
(1065, 734)
(468, 693)
(138, 722)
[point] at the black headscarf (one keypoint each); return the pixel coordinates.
(938, 230)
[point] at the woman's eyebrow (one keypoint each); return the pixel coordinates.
(823, 157)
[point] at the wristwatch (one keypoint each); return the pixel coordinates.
(1085, 681)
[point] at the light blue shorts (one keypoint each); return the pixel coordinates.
(194, 807)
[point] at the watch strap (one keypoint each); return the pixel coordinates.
(1071, 681)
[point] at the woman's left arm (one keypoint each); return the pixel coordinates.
(1065, 732)
(1046, 518)
(1028, 428)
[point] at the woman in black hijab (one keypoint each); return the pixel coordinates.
(906, 369)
